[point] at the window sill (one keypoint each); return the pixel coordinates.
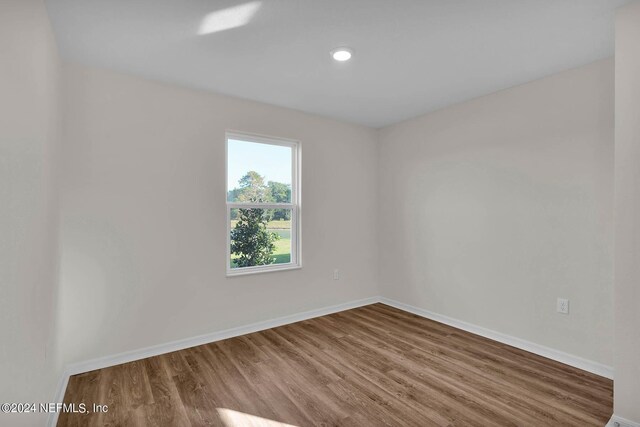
(258, 270)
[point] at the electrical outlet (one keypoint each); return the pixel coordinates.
(563, 306)
(336, 274)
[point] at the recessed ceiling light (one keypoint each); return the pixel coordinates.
(342, 54)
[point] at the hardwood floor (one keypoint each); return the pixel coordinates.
(369, 366)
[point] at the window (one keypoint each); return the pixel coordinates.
(263, 204)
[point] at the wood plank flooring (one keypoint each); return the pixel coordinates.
(369, 366)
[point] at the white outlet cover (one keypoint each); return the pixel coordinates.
(563, 306)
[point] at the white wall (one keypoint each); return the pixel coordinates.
(143, 214)
(491, 209)
(28, 138)
(627, 214)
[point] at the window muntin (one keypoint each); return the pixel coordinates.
(263, 224)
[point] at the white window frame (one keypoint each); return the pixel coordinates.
(296, 253)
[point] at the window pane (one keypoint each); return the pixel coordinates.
(260, 237)
(258, 172)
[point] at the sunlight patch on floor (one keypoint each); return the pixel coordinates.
(232, 418)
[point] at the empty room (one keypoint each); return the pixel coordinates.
(319, 213)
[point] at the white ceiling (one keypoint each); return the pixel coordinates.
(411, 56)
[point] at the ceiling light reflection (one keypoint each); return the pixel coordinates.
(228, 18)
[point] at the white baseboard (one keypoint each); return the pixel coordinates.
(130, 356)
(617, 421)
(143, 353)
(559, 356)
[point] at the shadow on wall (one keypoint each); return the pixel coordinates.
(93, 257)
